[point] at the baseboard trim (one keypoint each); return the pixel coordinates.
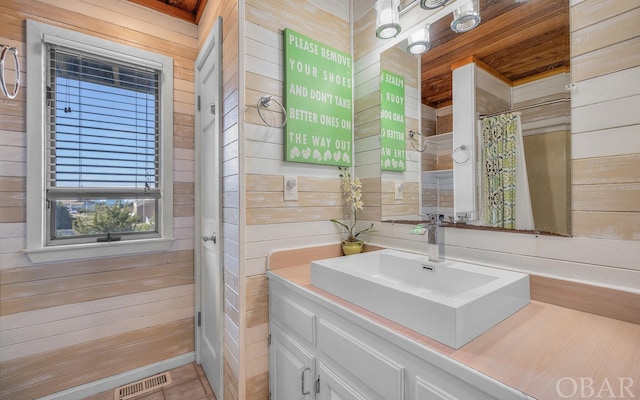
(112, 382)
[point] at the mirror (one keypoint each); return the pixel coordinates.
(519, 58)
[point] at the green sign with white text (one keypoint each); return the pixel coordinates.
(392, 126)
(318, 95)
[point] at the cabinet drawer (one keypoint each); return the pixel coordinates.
(383, 375)
(292, 317)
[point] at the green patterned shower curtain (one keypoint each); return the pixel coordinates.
(499, 162)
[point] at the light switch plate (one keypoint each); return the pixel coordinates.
(399, 192)
(291, 188)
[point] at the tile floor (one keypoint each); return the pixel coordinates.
(187, 383)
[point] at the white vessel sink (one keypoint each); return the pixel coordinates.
(449, 301)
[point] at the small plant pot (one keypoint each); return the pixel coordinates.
(349, 248)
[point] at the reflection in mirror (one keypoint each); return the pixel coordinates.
(520, 53)
(542, 115)
(509, 181)
(400, 190)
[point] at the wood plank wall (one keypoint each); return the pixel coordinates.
(605, 66)
(229, 11)
(270, 222)
(67, 324)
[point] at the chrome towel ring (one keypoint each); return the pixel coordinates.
(461, 154)
(265, 101)
(3, 84)
(413, 133)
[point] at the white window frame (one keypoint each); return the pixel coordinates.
(38, 35)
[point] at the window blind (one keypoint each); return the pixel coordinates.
(103, 127)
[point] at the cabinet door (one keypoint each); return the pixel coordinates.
(292, 368)
(334, 387)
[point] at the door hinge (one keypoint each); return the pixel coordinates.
(269, 340)
(198, 103)
(199, 318)
(318, 385)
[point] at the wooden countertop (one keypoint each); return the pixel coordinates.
(543, 350)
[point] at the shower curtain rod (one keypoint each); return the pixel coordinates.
(544, 103)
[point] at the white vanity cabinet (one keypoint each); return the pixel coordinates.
(322, 350)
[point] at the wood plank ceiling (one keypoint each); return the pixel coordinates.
(189, 10)
(518, 40)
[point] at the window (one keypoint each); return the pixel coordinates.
(100, 119)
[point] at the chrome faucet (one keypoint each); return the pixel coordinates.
(435, 242)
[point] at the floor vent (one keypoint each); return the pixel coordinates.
(143, 386)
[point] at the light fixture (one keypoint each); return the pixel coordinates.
(466, 17)
(432, 4)
(418, 42)
(387, 25)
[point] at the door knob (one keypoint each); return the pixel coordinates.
(212, 238)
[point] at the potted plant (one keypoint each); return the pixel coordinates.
(352, 189)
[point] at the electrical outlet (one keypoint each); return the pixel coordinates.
(399, 192)
(291, 188)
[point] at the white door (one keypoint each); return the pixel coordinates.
(209, 284)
